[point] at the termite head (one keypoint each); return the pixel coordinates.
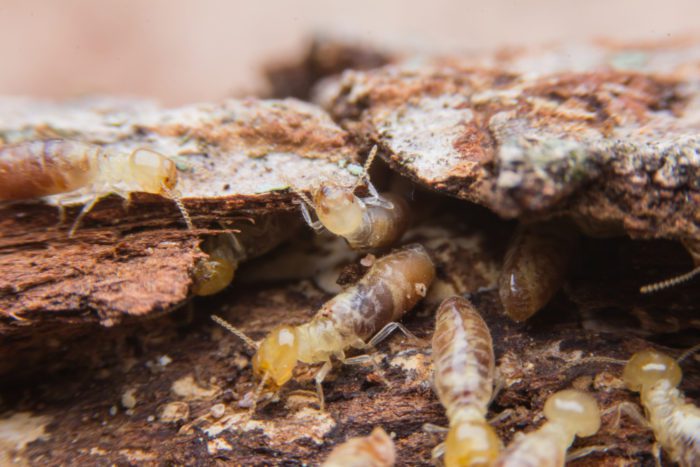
(473, 442)
(153, 172)
(277, 356)
(575, 410)
(649, 366)
(338, 209)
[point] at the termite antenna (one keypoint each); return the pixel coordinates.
(366, 166)
(181, 206)
(688, 353)
(673, 281)
(235, 331)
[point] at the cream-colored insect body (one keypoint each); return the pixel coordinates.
(676, 424)
(42, 168)
(376, 221)
(375, 450)
(464, 369)
(569, 413)
(372, 307)
(215, 273)
(535, 266)
(693, 248)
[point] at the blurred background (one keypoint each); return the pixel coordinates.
(179, 51)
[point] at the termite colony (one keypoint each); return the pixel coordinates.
(365, 313)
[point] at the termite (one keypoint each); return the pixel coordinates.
(693, 248)
(372, 307)
(216, 271)
(464, 371)
(535, 266)
(35, 169)
(676, 424)
(375, 450)
(367, 223)
(569, 413)
(226, 251)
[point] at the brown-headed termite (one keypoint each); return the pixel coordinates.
(376, 221)
(535, 266)
(693, 248)
(359, 317)
(35, 169)
(464, 371)
(569, 413)
(375, 450)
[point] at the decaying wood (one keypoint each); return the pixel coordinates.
(167, 390)
(164, 385)
(236, 159)
(615, 148)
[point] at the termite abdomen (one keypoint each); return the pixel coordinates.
(42, 168)
(464, 369)
(535, 266)
(375, 450)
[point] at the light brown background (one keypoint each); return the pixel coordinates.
(192, 50)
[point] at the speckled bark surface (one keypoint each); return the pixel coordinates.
(615, 148)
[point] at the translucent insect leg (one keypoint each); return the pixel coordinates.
(316, 225)
(376, 199)
(671, 282)
(431, 428)
(256, 397)
(235, 331)
(320, 376)
(83, 212)
(504, 415)
(367, 358)
(583, 452)
(629, 409)
(386, 332)
(437, 452)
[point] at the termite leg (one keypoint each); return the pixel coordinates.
(437, 452)
(386, 332)
(316, 225)
(583, 452)
(629, 409)
(367, 358)
(376, 199)
(656, 449)
(320, 376)
(504, 415)
(83, 212)
(256, 397)
(432, 428)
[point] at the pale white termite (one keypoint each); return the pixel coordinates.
(676, 424)
(376, 221)
(393, 285)
(35, 169)
(375, 450)
(464, 371)
(569, 413)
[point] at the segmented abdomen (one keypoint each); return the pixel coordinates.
(463, 358)
(392, 286)
(676, 424)
(541, 448)
(41, 168)
(535, 266)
